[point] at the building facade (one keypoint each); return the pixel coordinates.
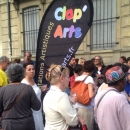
(109, 35)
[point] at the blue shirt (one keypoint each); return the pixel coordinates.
(127, 88)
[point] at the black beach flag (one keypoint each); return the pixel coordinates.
(63, 27)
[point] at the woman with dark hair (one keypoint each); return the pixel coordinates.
(17, 60)
(16, 101)
(86, 111)
(78, 70)
(29, 75)
(122, 60)
(128, 61)
(98, 70)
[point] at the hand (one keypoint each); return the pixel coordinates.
(95, 88)
(73, 99)
(81, 120)
(44, 88)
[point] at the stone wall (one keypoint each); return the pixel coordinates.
(109, 56)
(4, 30)
(125, 27)
(0, 35)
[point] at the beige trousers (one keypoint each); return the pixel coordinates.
(88, 116)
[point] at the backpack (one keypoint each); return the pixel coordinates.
(81, 91)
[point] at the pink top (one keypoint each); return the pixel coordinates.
(113, 112)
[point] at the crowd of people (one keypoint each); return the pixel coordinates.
(107, 88)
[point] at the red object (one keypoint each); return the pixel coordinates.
(84, 127)
(72, 79)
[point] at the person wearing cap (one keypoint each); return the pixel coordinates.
(110, 105)
(125, 69)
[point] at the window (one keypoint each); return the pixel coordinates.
(103, 30)
(30, 28)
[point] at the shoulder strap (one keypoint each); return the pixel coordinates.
(104, 95)
(5, 112)
(19, 96)
(84, 79)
